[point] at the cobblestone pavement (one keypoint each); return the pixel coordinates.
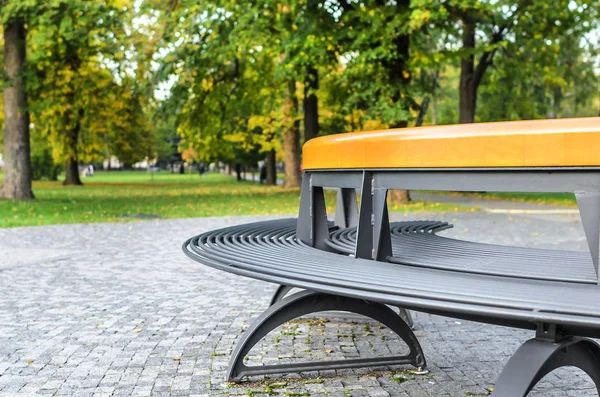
(118, 310)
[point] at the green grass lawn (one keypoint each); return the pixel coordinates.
(117, 196)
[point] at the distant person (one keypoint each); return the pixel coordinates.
(88, 171)
(201, 170)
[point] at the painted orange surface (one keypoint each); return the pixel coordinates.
(536, 143)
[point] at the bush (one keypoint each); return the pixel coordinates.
(43, 166)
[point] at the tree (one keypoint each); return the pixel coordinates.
(311, 103)
(471, 74)
(72, 42)
(377, 79)
(263, 74)
(522, 25)
(221, 93)
(291, 137)
(17, 171)
(375, 40)
(547, 70)
(110, 117)
(257, 64)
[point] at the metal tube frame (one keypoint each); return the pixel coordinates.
(372, 219)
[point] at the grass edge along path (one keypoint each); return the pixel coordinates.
(121, 196)
(559, 199)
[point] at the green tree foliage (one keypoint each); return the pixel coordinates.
(247, 74)
(375, 39)
(228, 94)
(249, 80)
(210, 96)
(83, 110)
(524, 40)
(86, 86)
(546, 69)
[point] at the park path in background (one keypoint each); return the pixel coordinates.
(118, 310)
(496, 206)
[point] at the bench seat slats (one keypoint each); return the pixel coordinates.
(417, 244)
(269, 251)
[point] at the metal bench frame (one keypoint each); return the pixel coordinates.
(373, 241)
(537, 357)
(556, 343)
(307, 302)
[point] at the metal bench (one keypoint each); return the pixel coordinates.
(361, 263)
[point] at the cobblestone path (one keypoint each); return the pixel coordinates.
(118, 310)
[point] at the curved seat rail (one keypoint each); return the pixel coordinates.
(418, 244)
(271, 251)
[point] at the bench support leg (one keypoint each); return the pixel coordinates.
(346, 210)
(307, 302)
(536, 358)
(280, 293)
(589, 210)
(312, 227)
(373, 238)
(283, 290)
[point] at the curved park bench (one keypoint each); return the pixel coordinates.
(360, 263)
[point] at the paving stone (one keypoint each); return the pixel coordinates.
(118, 310)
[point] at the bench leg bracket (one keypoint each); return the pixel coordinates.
(280, 293)
(283, 290)
(536, 358)
(306, 302)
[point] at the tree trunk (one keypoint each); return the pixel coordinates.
(311, 104)
(398, 197)
(400, 76)
(422, 112)
(271, 179)
(72, 172)
(71, 140)
(238, 172)
(468, 88)
(434, 95)
(17, 159)
(291, 138)
(434, 108)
